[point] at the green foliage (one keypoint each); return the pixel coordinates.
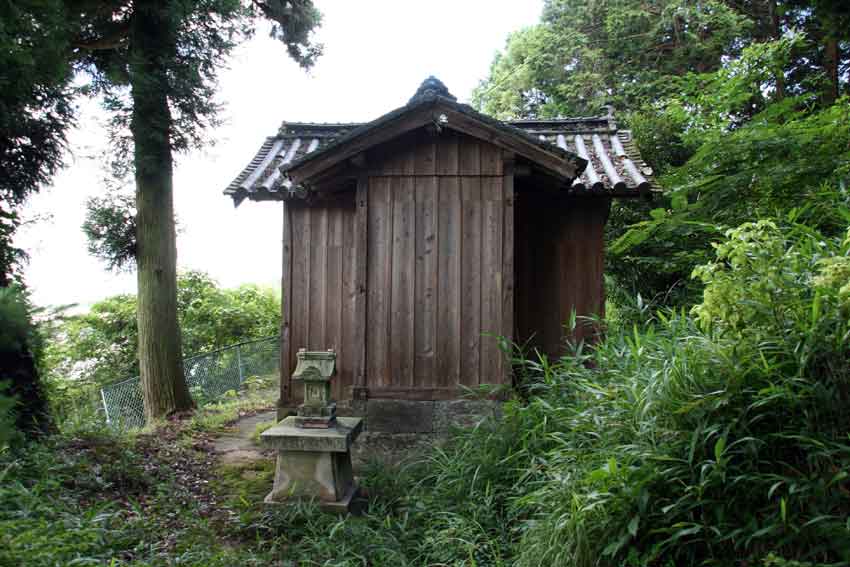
(110, 229)
(585, 54)
(788, 161)
(7, 417)
(20, 351)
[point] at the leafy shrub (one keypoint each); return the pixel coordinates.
(20, 349)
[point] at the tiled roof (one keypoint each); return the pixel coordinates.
(614, 166)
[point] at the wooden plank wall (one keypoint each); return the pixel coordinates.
(560, 260)
(435, 267)
(323, 287)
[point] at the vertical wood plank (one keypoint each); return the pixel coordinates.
(491, 159)
(508, 274)
(333, 277)
(318, 276)
(491, 279)
(425, 316)
(470, 331)
(346, 360)
(361, 241)
(448, 339)
(408, 154)
(300, 217)
(403, 281)
(469, 156)
(425, 161)
(286, 310)
(379, 272)
(447, 153)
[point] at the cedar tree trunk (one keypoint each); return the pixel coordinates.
(832, 63)
(152, 45)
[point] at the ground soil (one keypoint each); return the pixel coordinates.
(236, 445)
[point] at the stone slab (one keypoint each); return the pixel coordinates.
(285, 436)
(463, 413)
(392, 449)
(399, 416)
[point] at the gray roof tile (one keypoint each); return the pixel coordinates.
(614, 165)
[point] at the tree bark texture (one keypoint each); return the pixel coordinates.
(832, 61)
(160, 360)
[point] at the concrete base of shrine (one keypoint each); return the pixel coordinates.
(314, 463)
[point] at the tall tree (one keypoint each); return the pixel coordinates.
(156, 62)
(588, 53)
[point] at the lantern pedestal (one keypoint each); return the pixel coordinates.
(314, 462)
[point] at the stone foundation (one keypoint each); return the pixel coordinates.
(397, 430)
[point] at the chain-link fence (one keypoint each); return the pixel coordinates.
(208, 376)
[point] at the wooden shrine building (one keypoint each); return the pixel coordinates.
(410, 243)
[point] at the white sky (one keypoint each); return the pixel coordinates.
(376, 55)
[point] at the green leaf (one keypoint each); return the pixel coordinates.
(719, 448)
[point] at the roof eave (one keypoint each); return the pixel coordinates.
(442, 112)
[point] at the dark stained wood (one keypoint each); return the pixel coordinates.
(350, 334)
(333, 297)
(448, 347)
(379, 272)
(447, 153)
(469, 161)
(427, 280)
(318, 279)
(559, 266)
(286, 368)
(508, 250)
(491, 159)
(492, 223)
(438, 251)
(470, 326)
(425, 154)
(300, 216)
(403, 230)
(322, 311)
(361, 242)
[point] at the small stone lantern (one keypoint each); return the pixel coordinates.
(315, 370)
(314, 447)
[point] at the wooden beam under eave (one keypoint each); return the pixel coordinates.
(361, 224)
(557, 164)
(303, 173)
(508, 248)
(286, 312)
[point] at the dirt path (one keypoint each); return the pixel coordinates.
(236, 446)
